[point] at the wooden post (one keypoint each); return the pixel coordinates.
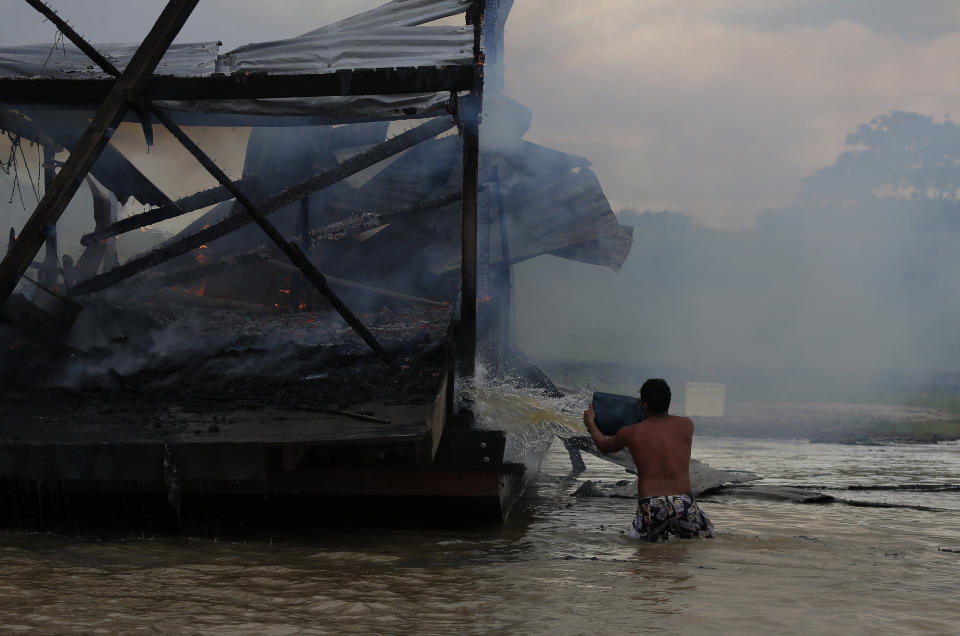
(92, 143)
(470, 117)
(469, 113)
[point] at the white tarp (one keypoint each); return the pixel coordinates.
(381, 47)
(385, 37)
(400, 13)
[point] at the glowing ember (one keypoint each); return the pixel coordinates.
(199, 290)
(200, 257)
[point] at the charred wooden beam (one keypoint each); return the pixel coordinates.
(469, 110)
(96, 137)
(426, 206)
(291, 251)
(264, 253)
(177, 208)
(470, 118)
(271, 204)
(374, 81)
(219, 194)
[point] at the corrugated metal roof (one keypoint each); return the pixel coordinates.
(384, 37)
(69, 62)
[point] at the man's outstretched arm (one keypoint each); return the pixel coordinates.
(604, 444)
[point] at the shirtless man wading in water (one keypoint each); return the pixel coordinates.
(660, 446)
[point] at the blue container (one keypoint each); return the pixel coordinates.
(616, 411)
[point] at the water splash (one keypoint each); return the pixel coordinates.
(530, 418)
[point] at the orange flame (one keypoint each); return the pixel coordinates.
(200, 257)
(199, 290)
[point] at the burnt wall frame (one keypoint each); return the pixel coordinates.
(136, 86)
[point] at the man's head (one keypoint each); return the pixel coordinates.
(655, 396)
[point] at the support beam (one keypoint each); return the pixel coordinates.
(271, 204)
(294, 253)
(469, 110)
(374, 81)
(421, 208)
(470, 118)
(187, 204)
(219, 194)
(90, 146)
(264, 252)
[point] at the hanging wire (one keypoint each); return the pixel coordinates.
(26, 166)
(6, 165)
(57, 39)
(11, 166)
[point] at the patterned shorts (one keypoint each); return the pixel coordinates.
(669, 515)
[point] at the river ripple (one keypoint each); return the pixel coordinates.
(560, 565)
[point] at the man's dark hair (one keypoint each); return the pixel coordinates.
(656, 393)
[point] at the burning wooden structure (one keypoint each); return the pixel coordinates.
(302, 339)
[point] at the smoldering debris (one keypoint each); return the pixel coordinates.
(150, 358)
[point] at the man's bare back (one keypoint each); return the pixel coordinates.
(660, 446)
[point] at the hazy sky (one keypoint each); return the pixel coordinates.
(716, 108)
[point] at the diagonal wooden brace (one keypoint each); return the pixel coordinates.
(271, 204)
(91, 144)
(293, 252)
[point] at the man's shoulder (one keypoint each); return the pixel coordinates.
(682, 420)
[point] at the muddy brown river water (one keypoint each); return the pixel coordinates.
(560, 565)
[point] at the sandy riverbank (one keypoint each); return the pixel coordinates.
(833, 422)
